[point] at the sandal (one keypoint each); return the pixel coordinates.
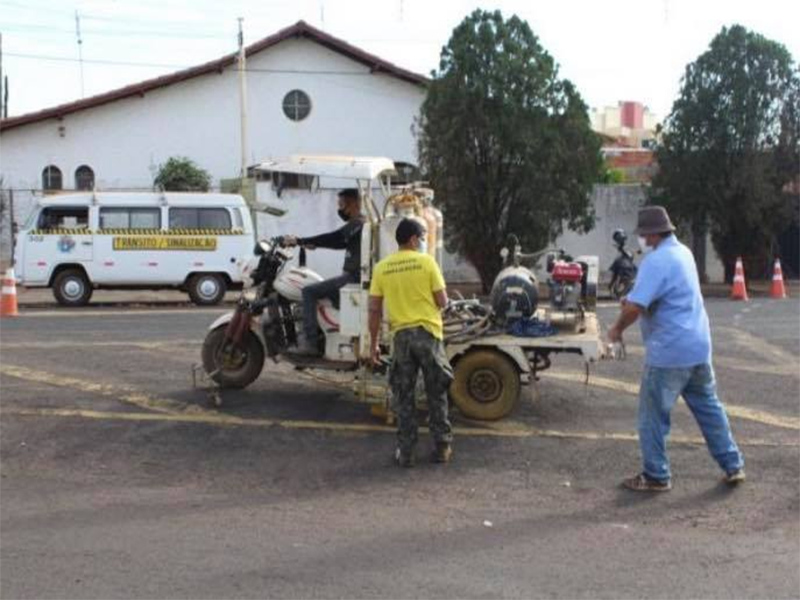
(643, 483)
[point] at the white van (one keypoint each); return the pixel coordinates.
(194, 242)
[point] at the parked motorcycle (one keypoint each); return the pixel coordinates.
(623, 269)
(266, 320)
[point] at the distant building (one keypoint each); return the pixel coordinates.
(631, 124)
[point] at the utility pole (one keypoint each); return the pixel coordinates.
(80, 47)
(242, 101)
(248, 195)
(3, 82)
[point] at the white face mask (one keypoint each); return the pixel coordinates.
(643, 245)
(423, 245)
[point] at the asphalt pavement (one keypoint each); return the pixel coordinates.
(118, 479)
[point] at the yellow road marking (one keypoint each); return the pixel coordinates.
(733, 410)
(761, 347)
(212, 418)
(173, 409)
(790, 369)
(124, 394)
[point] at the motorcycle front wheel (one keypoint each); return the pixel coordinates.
(229, 366)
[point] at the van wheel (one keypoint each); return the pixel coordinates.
(206, 289)
(485, 385)
(72, 288)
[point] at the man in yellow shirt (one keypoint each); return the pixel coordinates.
(412, 286)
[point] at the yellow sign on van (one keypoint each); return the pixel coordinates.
(163, 242)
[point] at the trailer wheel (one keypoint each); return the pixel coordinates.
(486, 385)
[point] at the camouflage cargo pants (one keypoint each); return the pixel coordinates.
(416, 349)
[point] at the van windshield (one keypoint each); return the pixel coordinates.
(32, 216)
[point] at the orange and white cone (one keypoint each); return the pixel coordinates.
(8, 298)
(739, 291)
(777, 290)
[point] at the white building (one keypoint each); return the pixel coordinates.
(307, 92)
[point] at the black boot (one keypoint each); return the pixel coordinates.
(442, 453)
(404, 458)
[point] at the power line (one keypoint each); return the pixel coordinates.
(176, 66)
(111, 32)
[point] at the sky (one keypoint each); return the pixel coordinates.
(612, 50)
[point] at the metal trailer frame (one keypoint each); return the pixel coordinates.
(532, 354)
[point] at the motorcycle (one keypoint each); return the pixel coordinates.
(266, 321)
(623, 269)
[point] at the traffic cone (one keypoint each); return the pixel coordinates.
(8, 297)
(777, 290)
(739, 291)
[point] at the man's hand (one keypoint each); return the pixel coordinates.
(290, 240)
(375, 356)
(614, 334)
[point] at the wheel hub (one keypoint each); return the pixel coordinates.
(485, 385)
(207, 288)
(231, 359)
(73, 288)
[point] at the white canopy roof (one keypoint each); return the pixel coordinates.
(345, 167)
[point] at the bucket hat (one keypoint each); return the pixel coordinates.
(652, 220)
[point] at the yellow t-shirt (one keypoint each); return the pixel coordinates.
(407, 281)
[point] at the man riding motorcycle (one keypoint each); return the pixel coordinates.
(347, 238)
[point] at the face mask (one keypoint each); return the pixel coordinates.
(423, 246)
(643, 245)
(343, 215)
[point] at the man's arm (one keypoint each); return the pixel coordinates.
(440, 298)
(375, 316)
(335, 240)
(627, 317)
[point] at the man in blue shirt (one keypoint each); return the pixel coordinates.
(666, 300)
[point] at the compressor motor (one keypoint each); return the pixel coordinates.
(567, 282)
(514, 295)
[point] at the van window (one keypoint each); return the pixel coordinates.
(130, 218)
(199, 218)
(64, 217)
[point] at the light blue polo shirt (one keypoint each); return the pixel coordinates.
(674, 323)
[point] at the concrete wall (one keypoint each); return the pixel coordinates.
(616, 206)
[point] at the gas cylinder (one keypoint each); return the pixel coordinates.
(398, 207)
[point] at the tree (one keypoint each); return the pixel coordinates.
(729, 148)
(181, 174)
(506, 144)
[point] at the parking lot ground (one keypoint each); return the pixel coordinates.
(119, 480)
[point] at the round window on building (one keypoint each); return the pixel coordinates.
(296, 105)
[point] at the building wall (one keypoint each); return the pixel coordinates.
(353, 112)
(616, 207)
(632, 114)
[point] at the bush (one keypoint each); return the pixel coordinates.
(181, 174)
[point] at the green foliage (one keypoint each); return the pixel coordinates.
(506, 144)
(611, 176)
(181, 174)
(731, 145)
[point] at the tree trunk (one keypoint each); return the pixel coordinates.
(699, 244)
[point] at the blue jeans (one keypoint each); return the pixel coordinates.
(315, 292)
(659, 390)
